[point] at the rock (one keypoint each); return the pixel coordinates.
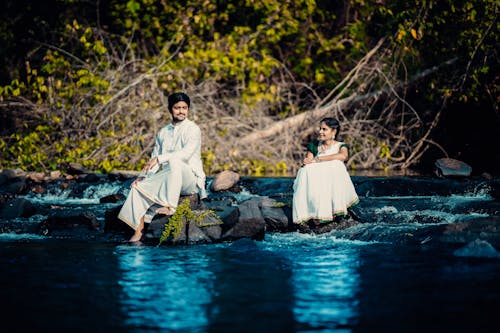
(17, 207)
(113, 224)
(19, 227)
(88, 178)
(477, 248)
(9, 174)
(76, 169)
(38, 188)
(250, 223)
(274, 215)
(55, 175)
(208, 230)
(224, 209)
(482, 228)
(112, 198)
(16, 185)
(339, 223)
(224, 181)
(214, 232)
(194, 200)
(451, 167)
(36, 177)
(194, 235)
(70, 224)
(3, 179)
(123, 175)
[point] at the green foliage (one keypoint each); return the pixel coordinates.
(184, 215)
(87, 95)
(432, 32)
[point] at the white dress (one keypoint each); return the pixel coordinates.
(178, 149)
(323, 190)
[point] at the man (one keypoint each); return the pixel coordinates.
(175, 168)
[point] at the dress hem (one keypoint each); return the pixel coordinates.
(330, 218)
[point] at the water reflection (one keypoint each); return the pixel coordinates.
(164, 288)
(253, 290)
(288, 283)
(325, 280)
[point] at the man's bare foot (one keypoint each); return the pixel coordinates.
(136, 237)
(165, 211)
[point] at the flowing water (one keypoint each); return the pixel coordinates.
(288, 282)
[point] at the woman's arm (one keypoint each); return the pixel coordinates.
(342, 155)
(309, 158)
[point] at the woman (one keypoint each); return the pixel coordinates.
(323, 189)
(175, 168)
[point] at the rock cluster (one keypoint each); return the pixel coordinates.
(267, 210)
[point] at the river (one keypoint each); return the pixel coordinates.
(289, 282)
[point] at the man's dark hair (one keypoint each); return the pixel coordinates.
(177, 97)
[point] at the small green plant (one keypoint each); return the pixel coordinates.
(183, 215)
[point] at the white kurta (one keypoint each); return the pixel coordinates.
(323, 190)
(178, 149)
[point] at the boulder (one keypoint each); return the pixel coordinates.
(70, 224)
(17, 185)
(17, 207)
(450, 167)
(274, 215)
(208, 230)
(224, 181)
(225, 210)
(477, 248)
(114, 225)
(251, 223)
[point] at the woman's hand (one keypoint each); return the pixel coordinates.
(309, 160)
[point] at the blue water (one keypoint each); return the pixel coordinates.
(286, 283)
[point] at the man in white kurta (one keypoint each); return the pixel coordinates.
(175, 169)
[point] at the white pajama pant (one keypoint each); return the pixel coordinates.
(162, 189)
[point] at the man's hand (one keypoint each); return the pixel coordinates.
(150, 165)
(138, 179)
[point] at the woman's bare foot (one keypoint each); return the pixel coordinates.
(165, 211)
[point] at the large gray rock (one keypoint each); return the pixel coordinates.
(274, 215)
(251, 223)
(450, 167)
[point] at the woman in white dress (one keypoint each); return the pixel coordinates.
(323, 189)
